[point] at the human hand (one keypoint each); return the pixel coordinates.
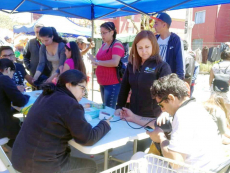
(157, 135)
(108, 120)
(127, 114)
(21, 88)
(61, 69)
(163, 118)
(92, 44)
(118, 112)
(49, 80)
(91, 57)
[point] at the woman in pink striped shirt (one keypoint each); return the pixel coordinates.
(106, 60)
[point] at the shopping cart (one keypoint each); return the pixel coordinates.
(156, 164)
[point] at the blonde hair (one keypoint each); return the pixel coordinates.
(215, 102)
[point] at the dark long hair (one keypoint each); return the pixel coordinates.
(51, 32)
(70, 76)
(6, 63)
(134, 57)
(76, 56)
(111, 27)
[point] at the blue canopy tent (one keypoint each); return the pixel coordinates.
(101, 9)
(63, 25)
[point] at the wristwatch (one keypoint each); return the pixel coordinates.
(97, 61)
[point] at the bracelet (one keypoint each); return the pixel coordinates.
(97, 62)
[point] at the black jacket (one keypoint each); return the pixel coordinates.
(53, 120)
(140, 82)
(9, 125)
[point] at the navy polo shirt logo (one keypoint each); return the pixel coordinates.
(149, 70)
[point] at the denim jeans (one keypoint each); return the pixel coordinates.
(109, 94)
(79, 165)
(191, 90)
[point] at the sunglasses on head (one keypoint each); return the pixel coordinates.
(159, 103)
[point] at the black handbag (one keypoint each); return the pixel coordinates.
(221, 81)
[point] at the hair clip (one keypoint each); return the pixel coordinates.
(68, 45)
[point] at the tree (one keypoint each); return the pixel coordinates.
(147, 23)
(6, 22)
(134, 25)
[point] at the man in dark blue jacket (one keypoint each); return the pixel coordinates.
(170, 44)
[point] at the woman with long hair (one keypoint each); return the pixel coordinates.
(106, 60)
(144, 67)
(55, 118)
(51, 53)
(74, 59)
(216, 107)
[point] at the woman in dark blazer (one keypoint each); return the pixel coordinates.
(55, 118)
(9, 125)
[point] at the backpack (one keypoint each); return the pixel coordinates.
(189, 68)
(221, 81)
(123, 61)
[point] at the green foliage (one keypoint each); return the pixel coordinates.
(6, 22)
(205, 68)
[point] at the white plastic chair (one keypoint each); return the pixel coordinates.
(5, 160)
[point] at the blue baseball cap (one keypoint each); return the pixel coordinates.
(163, 17)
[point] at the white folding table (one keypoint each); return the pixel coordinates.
(119, 134)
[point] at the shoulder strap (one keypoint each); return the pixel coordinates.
(111, 45)
(226, 69)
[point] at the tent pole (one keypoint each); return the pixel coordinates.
(127, 5)
(17, 7)
(92, 65)
(171, 7)
(118, 10)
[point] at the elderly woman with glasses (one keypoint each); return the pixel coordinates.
(106, 60)
(144, 67)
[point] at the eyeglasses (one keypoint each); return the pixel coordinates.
(159, 103)
(10, 56)
(103, 33)
(83, 88)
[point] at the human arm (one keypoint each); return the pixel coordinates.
(91, 45)
(81, 131)
(29, 79)
(221, 121)
(49, 80)
(66, 67)
(164, 70)
(42, 62)
(211, 77)
(117, 53)
(62, 57)
(195, 74)
(124, 90)
(179, 59)
(13, 94)
(131, 117)
(158, 136)
(26, 56)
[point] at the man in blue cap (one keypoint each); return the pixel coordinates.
(171, 49)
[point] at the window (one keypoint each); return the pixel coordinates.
(200, 17)
(197, 43)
